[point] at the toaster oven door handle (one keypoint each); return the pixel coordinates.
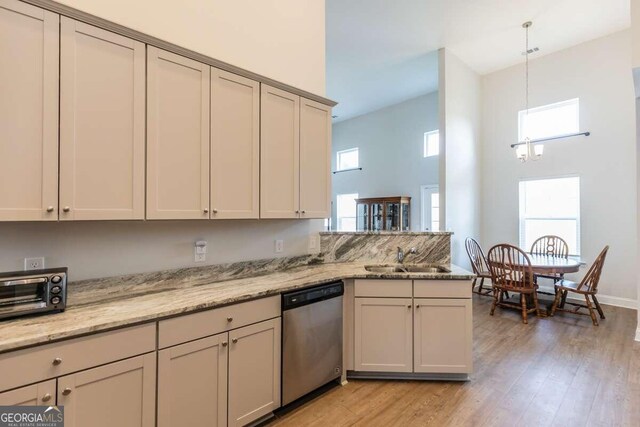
(24, 281)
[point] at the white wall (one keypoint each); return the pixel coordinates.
(280, 39)
(101, 249)
(460, 103)
(390, 143)
(599, 73)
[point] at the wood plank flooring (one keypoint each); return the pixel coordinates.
(559, 371)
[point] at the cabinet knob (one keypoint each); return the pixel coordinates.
(215, 210)
(50, 209)
(297, 211)
(229, 319)
(234, 340)
(66, 209)
(409, 306)
(46, 397)
(417, 305)
(205, 210)
(66, 391)
(304, 212)
(224, 343)
(57, 361)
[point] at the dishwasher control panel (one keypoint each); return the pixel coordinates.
(311, 295)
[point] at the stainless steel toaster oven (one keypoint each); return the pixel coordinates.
(31, 292)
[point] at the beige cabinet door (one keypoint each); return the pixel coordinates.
(383, 335)
(118, 394)
(29, 38)
(235, 146)
(315, 159)
(254, 372)
(192, 383)
(177, 137)
(443, 335)
(41, 394)
(279, 154)
(102, 126)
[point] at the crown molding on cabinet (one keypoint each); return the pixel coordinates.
(153, 41)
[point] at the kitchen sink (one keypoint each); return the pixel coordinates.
(407, 268)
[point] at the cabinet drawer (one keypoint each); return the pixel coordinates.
(442, 288)
(383, 288)
(198, 325)
(36, 364)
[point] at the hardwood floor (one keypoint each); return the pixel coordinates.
(559, 371)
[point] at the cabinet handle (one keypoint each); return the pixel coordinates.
(234, 340)
(66, 391)
(66, 209)
(57, 361)
(224, 343)
(46, 397)
(50, 209)
(215, 211)
(229, 319)
(205, 210)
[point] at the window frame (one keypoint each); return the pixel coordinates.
(348, 150)
(522, 218)
(338, 217)
(523, 113)
(425, 144)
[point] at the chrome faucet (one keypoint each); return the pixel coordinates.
(401, 255)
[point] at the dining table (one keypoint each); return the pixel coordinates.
(552, 265)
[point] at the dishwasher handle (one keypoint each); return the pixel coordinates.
(311, 295)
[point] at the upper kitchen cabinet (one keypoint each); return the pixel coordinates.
(315, 159)
(235, 146)
(28, 112)
(102, 124)
(279, 154)
(177, 137)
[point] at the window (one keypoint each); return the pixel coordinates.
(549, 120)
(435, 211)
(346, 211)
(550, 206)
(431, 143)
(347, 159)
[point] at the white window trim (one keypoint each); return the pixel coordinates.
(338, 217)
(578, 217)
(348, 150)
(523, 113)
(425, 145)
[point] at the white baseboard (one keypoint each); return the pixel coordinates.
(606, 299)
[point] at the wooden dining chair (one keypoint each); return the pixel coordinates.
(554, 246)
(479, 266)
(511, 271)
(588, 287)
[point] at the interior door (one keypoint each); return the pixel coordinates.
(102, 124)
(235, 146)
(192, 383)
(29, 53)
(383, 334)
(119, 394)
(254, 372)
(279, 154)
(40, 394)
(315, 159)
(177, 137)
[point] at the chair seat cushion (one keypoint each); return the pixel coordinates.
(568, 285)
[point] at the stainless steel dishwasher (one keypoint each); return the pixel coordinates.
(311, 339)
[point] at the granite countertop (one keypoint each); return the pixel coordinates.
(104, 304)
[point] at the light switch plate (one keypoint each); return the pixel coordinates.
(313, 243)
(279, 246)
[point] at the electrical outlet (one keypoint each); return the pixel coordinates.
(34, 263)
(279, 246)
(200, 251)
(313, 242)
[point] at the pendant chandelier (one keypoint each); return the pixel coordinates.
(526, 150)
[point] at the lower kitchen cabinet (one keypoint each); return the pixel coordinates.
(383, 334)
(192, 383)
(118, 394)
(43, 393)
(254, 371)
(443, 335)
